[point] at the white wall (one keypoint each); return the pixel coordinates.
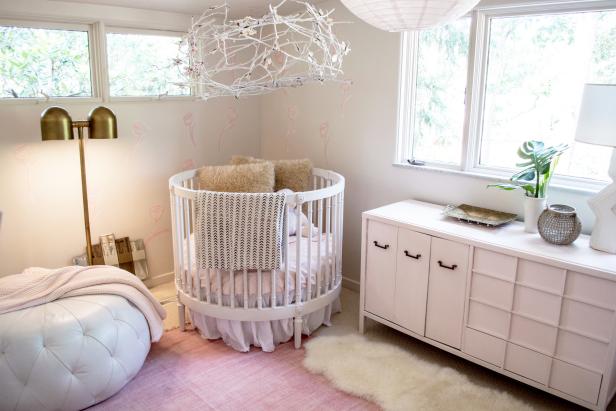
(40, 191)
(353, 130)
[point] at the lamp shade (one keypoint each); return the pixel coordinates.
(403, 15)
(103, 123)
(56, 124)
(597, 119)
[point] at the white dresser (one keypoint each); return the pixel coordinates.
(500, 297)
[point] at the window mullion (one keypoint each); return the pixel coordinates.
(408, 46)
(414, 52)
(467, 153)
(475, 91)
(99, 60)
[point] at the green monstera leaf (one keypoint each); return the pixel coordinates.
(538, 165)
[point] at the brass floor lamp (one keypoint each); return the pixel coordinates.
(56, 124)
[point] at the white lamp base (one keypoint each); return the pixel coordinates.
(604, 206)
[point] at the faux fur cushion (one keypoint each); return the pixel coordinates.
(244, 178)
(292, 174)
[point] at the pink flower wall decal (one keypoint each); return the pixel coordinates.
(346, 97)
(189, 126)
(154, 235)
(187, 164)
(140, 131)
(156, 212)
(325, 138)
(231, 116)
(292, 113)
(22, 153)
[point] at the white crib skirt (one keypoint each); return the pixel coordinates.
(240, 335)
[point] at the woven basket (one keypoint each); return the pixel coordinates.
(559, 224)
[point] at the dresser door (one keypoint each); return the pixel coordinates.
(411, 288)
(381, 269)
(446, 291)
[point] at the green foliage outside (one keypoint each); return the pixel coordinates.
(442, 61)
(537, 66)
(142, 65)
(55, 62)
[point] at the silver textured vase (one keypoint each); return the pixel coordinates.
(559, 224)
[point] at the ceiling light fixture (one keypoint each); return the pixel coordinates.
(220, 56)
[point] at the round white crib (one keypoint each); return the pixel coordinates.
(309, 278)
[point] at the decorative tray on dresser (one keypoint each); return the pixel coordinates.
(500, 297)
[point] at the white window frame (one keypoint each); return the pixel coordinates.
(152, 32)
(99, 74)
(95, 80)
(475, 91)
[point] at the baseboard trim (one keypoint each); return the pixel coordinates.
(159, 279)
(350, 284)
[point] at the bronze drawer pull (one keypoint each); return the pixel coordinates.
(416, 257)
(384, 247)
(449, 267)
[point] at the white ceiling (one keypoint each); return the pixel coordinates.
(239, 8)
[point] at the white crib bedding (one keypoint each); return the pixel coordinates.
(320, 273)
(240, 335)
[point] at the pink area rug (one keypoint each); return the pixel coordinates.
(185, 372)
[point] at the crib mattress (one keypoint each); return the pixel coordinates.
(319, 272)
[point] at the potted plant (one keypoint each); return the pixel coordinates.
(539, 163)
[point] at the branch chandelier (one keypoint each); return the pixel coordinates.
(220, 56)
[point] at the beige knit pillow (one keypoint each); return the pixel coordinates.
(292, 174)
(244, 178)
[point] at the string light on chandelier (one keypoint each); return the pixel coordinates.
(220, 56)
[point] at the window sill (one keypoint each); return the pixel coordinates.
(54, 100)
(90, 100)
(584, 188)
(133, 99)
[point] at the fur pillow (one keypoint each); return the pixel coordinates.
(244, 178)
(292, 174)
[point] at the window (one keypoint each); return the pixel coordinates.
(537, 66)
(437, 115)
(40, 62)
(142, 65)
(528, 66)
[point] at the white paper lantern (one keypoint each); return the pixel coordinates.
(403, 15)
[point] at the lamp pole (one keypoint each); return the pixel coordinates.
(80, 125)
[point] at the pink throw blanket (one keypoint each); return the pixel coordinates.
(36, 286)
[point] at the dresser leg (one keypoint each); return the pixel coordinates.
(361, 323)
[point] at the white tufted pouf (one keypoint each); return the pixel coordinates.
(71, 353)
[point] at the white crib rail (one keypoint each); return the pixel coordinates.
(323, 206)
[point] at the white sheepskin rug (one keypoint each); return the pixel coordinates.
(398, 380)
